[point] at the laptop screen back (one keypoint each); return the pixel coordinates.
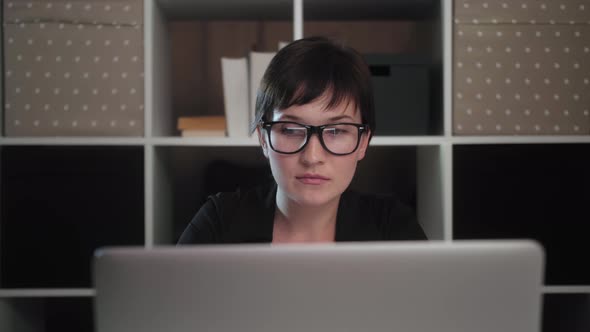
(369, 287)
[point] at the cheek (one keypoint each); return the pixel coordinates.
(280, 164)
(347, 168)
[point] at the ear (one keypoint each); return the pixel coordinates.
(363, 145)
(262, 141)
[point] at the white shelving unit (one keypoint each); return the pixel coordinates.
(71, 141)
(52, 292)
(566, 290)
(165, 155)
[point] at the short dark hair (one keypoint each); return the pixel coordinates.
(308, 68)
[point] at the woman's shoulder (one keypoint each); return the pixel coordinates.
(238, 216)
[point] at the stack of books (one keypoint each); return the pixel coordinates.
(209, 125)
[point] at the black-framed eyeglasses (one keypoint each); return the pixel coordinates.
(291, 137)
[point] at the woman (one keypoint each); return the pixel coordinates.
(314, 121)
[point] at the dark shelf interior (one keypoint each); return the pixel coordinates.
(197, 172)
(566, 312)
(51, 314)
(61, 203)
(528, 191)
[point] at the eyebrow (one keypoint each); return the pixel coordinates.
(295, 118)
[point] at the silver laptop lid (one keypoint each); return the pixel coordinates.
(405, 287)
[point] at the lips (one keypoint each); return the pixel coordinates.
(312, 179)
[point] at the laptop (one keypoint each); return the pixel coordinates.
(461, 286)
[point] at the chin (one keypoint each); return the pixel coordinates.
(314, 197)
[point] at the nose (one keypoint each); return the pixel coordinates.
(314, 152)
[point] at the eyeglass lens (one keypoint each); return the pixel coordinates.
(290, 137)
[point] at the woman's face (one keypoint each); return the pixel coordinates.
(314, 176)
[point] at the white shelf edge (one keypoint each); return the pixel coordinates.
(447, 190)
(406, 140)
(546, 139)
(90, 292)
(124, 141)
(148, 82)
(148, 196)
(459, 140)
(566, 290)
(447, 37)
(43, 292)
(447, 147)
(253, 141)
(204, 141)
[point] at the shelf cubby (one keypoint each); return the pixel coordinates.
(46, 314)
(402, 42)
(188, 174)
(527, 191)
(189, 39)
(566, 312)
(60, 203)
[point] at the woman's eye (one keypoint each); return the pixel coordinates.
(290, 131)
(334, 131)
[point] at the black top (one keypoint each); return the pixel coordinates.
(248, 217)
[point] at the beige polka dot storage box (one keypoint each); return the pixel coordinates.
(73, 68)
(521, 67)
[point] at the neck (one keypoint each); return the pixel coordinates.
(300, 223)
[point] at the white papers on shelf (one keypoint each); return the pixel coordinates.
(241, 79)
(282, 44)
(234, 73)
(259, 61)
